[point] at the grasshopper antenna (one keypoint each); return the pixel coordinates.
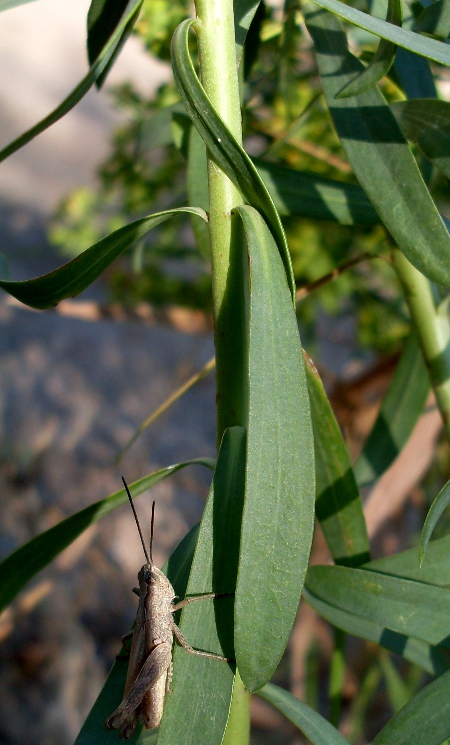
(151, 532)
(149, 558)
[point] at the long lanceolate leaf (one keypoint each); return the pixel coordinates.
(28, 560)
(433, 50)
(425, 720)
(338, 502)
(354, 617)
(402, 606)
(306, 194)
(103, 18)
(97, 69)
(73, 277)
(313, 725)
(429, 657)
(437, 508)
(382, 60)
(379, 155)
(279, 497)
(401, 408)
(197, 709)
(427, 122)
(222, 145)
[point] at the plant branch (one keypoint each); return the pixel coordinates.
(432, 327)
(216, 40)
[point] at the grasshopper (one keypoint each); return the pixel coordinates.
(150, 667)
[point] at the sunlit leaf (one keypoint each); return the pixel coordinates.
(338, 502)
(222, 145)
(403, 606)
(28, 560)
(434, 513)
(244, 12)
(279, 500)
(199, 704)
(73, 277)
(102, 20)
(431, 658)
(433, 50)
(381, 62)
(313, 725)
(378, 153)
(309, 195)
(435, 570)
(399, 412)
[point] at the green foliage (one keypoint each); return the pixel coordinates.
(355, 201)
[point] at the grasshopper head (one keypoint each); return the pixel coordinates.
(151, 576)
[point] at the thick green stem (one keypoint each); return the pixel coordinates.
(238, 727)
(216, 41)
(432, 328)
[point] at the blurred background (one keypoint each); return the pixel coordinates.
(74, 387)
(76, 382)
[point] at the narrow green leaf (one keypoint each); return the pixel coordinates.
(197, 709)
(28, 560)
(197, 188)
(338, 502)
(279, 501)
(222, 145)
(382, 60)
(244, 12)
(430, 658)
(308, 195)
(401, 605)
(103, 18)
(400, 410)
(379, 155)
(434, 513)
(427, 122)
(435, 20)
(435, 571)
(433, 50)
(73, 277)
(93, 731)
(312, 724)
(425, 720)
(95, 71)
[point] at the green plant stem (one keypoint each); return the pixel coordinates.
(219, 74)
(238, 727)
(216, 41)
(432, 328)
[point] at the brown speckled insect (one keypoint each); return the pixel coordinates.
(150, 667)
